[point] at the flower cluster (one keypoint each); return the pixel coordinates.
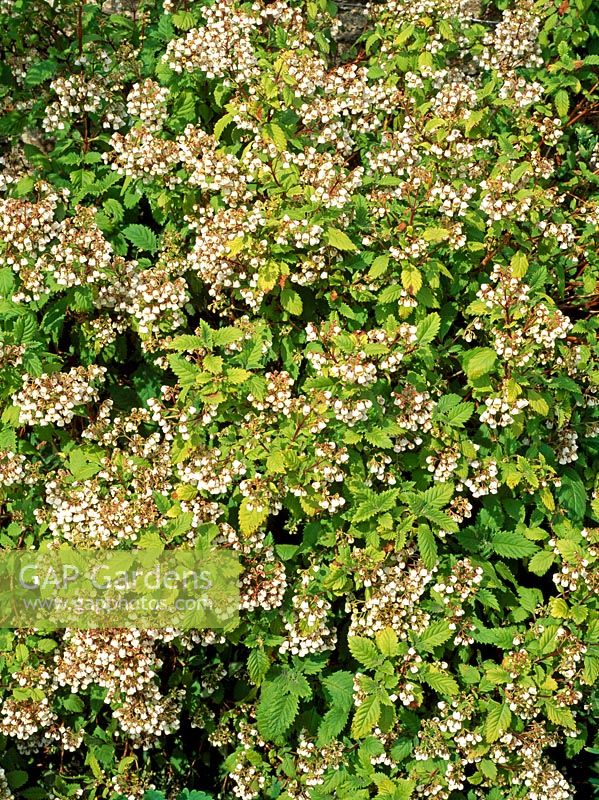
(325, 303)
(55, 398)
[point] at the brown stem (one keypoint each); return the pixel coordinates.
(80, 27)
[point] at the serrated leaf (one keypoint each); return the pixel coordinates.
(81, 466)
(291, 301)
(250, 518)
(428, 328)
(459, 415)
(519, 263)
(114, 209)
(237, 375)
(512, 545)
(364, 651)
(366, 717)
(427, 546)
(40, 71)
(411, 279)
(435, 234)
(438, 495)
(439, 680)
(339, 240)
(186, 342)
(141, 237)
(186, 373)
(390, 293)
(488, 768)
(572, 495)
(213, 364)
(339, 687)
(562, 103)
(378, 438)
(276, 461)
(378, 267)
(332, 724)
(258, 664)
(437, 633)
(276, 711)
(560, 716)
(541, 561)
(591, 669)
(184, 20)
(404, 789)
(221, 124)
(479, 361)
(387, 642)
(487, 598)
(226, 336)
(376, 503)
(498, 721)
(275, 132)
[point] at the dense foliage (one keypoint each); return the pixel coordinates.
(335, 311)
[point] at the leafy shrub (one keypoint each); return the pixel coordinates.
(335, 312)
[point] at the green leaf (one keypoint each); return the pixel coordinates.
(457, 415)
(7, 282)
(376, 504)
(213, 364)
(250, 518)
(512, 545)
(186, 372)
(378, 438)
(275, 132)
(387, 642)
(562, 103)
(237, 375)
(221, 124)
(404, 789)
(339, 686)
(541, 561)
(427, 546)
(364, 651)
(141, 237)
(291, 301)
(40, 71)
(332, 724)
(519, 265)
(560, 716)
(184, 20)
(391, 293)
(411, 279)
(428, 328)
(488, 769)
(366, 717)
(439, 680)
(81, 466)
(378, 267)
(479, 361)
(339, 240)
(497, 721)
(438, 495)
(435, 234)
(258, 664)
(276, 711)
(186, 342)
(437, 633)
(226, 336)
(573, 496)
